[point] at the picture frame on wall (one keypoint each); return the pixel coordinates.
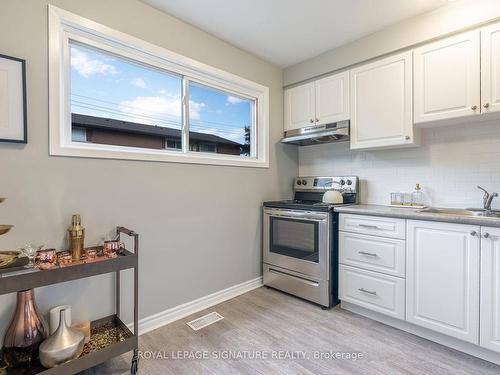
(13, 121)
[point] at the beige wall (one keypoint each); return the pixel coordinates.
(445, 20)
(200, 225)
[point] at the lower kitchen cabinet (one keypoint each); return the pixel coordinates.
(372, 290)
(442, 278)
(490, 288)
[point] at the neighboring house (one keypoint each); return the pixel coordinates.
(108, 131)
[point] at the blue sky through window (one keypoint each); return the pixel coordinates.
(107, 86)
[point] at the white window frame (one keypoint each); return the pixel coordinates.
(65, 26)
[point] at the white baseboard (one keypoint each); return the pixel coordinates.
(451, 342)
(178, 312)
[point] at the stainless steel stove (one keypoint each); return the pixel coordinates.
(300, 250)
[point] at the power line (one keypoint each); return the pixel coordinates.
(152, 112)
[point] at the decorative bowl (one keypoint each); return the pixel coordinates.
(7, 258)
(4, 228)
(1, 199)
(45, 259)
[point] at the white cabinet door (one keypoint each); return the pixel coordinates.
(300, 106)
(447, 78)
(490, 68)
(442, 278)
(490, 289)
(332, 99)
(381, 103)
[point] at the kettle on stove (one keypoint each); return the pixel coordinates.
(333, 196)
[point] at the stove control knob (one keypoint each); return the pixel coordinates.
(349, 182)
(299, 182)
(342, 182)
(304, 182)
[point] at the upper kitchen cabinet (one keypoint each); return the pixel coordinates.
(300, 106)
(490, 68)
(447, 78)
(381, 104)
(320, 102)
(332, 99)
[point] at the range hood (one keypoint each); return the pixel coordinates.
(313, 135)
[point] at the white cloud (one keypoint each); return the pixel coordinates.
(146, 109)
(87, 66)
(234, 99)
(139, 82)
(195, 109)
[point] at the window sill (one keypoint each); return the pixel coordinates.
(166, 156)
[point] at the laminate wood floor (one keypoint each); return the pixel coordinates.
(266, 321)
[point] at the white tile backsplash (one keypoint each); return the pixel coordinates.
(449, 165)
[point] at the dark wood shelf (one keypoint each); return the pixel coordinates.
(120, 342)
(13, 281)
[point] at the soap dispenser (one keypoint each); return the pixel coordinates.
(417, 197)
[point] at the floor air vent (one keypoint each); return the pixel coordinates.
(205, 320)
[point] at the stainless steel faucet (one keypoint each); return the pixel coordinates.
(488, 198)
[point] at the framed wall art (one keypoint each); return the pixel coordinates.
(13, 123)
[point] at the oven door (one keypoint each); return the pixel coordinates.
(297, 240)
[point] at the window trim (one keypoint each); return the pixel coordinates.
(65, 26)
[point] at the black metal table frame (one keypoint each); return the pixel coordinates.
(126, 260)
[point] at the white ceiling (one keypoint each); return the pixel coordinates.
(286, 32)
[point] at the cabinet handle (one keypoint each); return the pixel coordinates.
(367, 291)
(486, 235)
(486, 105)
(311, 121)
(368, 226)
(474, 107)
(407, 137)
(367, 254)
(317, 119)
(473, 233)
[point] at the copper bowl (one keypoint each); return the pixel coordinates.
(64, 257)
(4, 228)
(90, 253)
(46, 259)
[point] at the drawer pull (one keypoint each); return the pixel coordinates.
(305, 281)
(367, 291)
(367, 254)
(368, 226)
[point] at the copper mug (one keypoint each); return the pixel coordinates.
(112, 248)
(45, 259)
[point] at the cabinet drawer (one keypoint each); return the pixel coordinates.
(374, 225)
(374, 291)
(372, 253)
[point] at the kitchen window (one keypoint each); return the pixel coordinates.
(114, 96)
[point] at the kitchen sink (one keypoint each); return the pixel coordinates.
(462, 212)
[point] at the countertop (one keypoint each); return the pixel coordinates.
(415, 214)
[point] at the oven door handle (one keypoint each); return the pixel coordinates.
(298, 215)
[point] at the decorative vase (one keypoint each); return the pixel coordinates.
(63, 346)
(25, 332)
